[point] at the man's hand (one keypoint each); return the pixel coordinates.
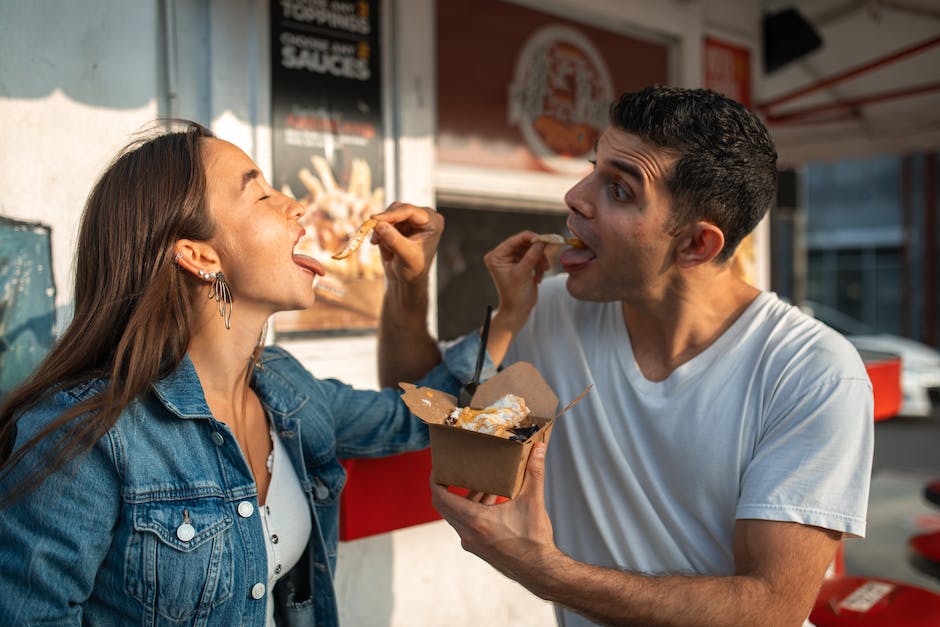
(408, 237)
(514, 536)
(779, 565)
(517, 266)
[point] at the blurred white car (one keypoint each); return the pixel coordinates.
(920, 363)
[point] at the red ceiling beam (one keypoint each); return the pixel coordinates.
(849, 74)
(806, 114)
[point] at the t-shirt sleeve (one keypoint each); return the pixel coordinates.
(812, 461)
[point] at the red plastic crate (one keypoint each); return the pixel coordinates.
(872, 602)
(885, 373)
(385, 494)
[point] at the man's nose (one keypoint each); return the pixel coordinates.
(576, 198)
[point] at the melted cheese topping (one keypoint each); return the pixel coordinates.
(498, 419)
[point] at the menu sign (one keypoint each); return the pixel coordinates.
(327, 128)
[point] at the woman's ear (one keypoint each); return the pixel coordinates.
(199, 258)
(700, 243)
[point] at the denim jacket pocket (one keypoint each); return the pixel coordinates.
(179, 556)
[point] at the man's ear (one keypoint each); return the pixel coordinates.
(196, 257)
(699, 243)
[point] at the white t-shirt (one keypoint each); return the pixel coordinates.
(772, 421)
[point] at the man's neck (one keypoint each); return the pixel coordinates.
(667, 331)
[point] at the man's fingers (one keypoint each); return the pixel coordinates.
(449, 504)
(533, 485)
(399, 212)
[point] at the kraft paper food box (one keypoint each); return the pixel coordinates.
(479, 461)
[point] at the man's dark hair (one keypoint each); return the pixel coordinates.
(726, 171)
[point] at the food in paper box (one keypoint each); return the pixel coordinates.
(480, 461)
(506, 418)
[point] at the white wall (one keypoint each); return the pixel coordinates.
(76, 80)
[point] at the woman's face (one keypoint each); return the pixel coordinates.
(257, 229)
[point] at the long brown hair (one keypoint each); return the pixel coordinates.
(132, 315)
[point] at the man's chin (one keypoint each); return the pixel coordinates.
(581, 289)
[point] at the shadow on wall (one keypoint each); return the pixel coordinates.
(27, 300)
(79, 48)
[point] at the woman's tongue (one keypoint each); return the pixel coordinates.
(309, 263)
(576, 257)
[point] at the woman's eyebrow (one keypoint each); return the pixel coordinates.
(248, 177)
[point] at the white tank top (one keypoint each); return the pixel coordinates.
(285, 518)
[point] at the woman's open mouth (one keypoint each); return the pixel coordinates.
(306, 262)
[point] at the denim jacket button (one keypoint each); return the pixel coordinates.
(245, 509)
(218, 438)
(257, 591)
(320, 491)
(185, 532)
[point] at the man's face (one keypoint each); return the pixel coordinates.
(622, 211)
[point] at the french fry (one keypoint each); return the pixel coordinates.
(555, 238)
(356, 240)
(551, 238)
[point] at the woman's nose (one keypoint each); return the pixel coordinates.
(295, 210)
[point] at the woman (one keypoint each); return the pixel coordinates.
(161, 466)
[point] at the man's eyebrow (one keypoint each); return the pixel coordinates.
(629, 169)
(248, 177)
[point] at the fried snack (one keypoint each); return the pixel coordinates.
(555, 238)
(334, 212)
(504, 418)
(356, 240)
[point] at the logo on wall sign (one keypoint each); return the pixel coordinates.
(559, 97)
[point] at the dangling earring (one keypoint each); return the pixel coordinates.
(220, 292)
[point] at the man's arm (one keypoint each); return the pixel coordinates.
(779, 566)
(406, 349)
(408, 237)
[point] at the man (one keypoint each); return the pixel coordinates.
(725, 450)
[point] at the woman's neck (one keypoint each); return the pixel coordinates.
(222, 358)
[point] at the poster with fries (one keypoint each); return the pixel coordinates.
(327, 150)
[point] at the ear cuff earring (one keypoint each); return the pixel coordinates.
(219, 292)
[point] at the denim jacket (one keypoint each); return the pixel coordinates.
(99, 542)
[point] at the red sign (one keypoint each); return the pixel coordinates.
(728, 70)
(528, 90)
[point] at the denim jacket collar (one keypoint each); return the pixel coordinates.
(181, 391)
